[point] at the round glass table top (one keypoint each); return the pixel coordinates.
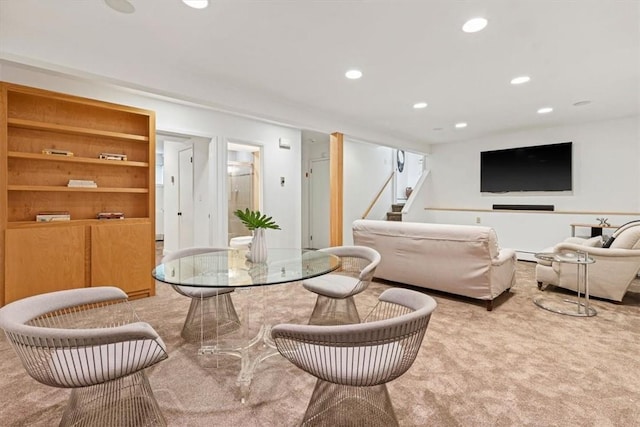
(566, 257)
(229, 267)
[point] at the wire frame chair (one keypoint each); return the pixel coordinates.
(211, 311)
(353, 362)
(335, 304)
(89, 340)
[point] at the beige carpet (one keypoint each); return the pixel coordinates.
(518, 365)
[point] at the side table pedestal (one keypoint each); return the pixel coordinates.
(579, 307)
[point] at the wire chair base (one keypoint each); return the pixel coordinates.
(128, 401)
(340, 405)
(209, 318)
(334, 311)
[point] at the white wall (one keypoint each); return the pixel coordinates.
(606, 180)
(366, 167)
(283, 203)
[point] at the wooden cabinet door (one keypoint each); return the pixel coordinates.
(122, 255)
(44, 259)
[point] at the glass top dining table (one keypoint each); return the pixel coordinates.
(230, 268)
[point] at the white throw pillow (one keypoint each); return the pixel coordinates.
(594, 242)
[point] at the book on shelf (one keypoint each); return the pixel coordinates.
(57, 152)
(113, 156)
(49, 216)
(82, 183)
(110, 215)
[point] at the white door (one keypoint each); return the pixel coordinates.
(319, 203)
(185, 198)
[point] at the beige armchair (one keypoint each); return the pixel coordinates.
(616, 263)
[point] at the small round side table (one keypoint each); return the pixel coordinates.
(580, 306)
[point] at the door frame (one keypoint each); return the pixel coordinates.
(206, 190)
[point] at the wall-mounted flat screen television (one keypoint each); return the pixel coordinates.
(535, 168)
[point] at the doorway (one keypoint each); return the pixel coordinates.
(319, 214)
(243, 184)
(183, 190)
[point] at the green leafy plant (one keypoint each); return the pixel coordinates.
(254, 219)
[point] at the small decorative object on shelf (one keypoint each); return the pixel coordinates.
(603, 222)
(257, 222)
(57, 152)
(112, 156)
(82, 183)
(110, 215)
(50, 216)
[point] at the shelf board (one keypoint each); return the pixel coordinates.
(62, 189)
(72, 222)
(73, 159)
(73, 130)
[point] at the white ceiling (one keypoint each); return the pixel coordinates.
(284, 60)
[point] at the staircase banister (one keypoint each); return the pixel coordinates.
(412, 197)
(377, 197)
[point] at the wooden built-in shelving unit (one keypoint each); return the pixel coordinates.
(84, 251)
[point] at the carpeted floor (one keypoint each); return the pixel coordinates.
(518, 365)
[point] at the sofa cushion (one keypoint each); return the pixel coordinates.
(594, 242)
(619, 231)
(332, 285)
(628, 239)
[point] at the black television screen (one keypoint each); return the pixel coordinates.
(536, 168)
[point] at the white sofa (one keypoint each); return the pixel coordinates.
(459, 259)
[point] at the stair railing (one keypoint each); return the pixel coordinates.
(377, 197)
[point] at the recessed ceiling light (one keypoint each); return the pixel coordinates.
(581, 103)
(545, 110)
(196, 4)
(461, 125)
(419, 105)
(353, 74)
(122, 6)
(474, 25)
(520, 80)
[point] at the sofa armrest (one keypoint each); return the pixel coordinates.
(595, 251)
(503, 271)
(505, 255)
